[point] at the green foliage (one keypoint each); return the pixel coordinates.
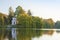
(37, 22)
(29, 13)
(3, 19)
(11, 14)
(48, 23)
(29, 21)
(57, 25)
(19, 10)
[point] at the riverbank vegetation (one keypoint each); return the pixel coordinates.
(26, 24)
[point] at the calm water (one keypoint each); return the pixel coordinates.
(32, 34)
(54, 36)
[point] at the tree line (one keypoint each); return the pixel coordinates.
(26, 19)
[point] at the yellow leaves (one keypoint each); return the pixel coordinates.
(24, 15)
(50, 21)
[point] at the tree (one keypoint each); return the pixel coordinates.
(48, 23)
(57, 25)
(11, 14)
(19, 10)
(29, 13)
(37, 22)
(22, 19)
(1, 19)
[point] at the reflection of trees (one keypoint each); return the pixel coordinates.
(49, 32)
(4, 33)
(27, 33)
(22, 33)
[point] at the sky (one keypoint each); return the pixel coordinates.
(42, 8)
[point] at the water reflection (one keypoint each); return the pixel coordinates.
(55, 36)
(30, 34)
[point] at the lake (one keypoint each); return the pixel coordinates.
(33, 34)
(46, 36)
